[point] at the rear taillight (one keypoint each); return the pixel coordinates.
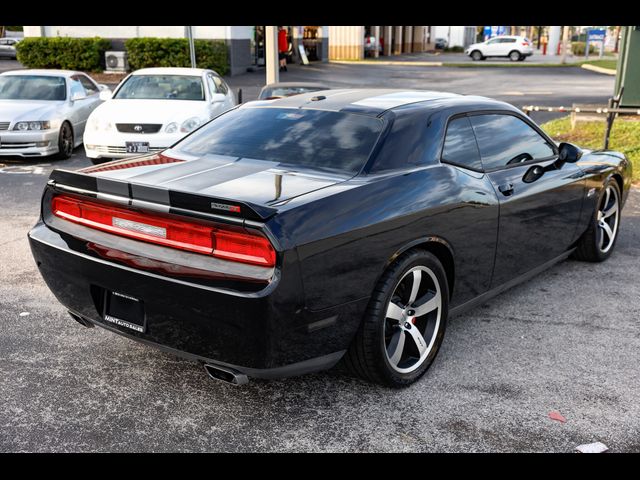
(525, 44)
(183, 235)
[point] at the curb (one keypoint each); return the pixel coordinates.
(593, 68)
(383, 62)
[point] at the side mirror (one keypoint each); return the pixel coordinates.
(218, 98)
(102, 86)
(105, 95)
(569, 153)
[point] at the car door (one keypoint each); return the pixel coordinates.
(540, 199)
(83, 106)
(491, 48)
(505, 46)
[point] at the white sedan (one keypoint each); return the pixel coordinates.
(152, 109)
(44, 112)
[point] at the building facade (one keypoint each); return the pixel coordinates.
(247, 44)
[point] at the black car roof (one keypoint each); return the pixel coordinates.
(374, 102)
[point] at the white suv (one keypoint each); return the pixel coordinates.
(515, 48)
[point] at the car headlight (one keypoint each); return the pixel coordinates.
(171, 128)
(190, 124)
(97, 124)
(40, 125)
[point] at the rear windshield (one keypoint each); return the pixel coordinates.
(162, 87)
(294, 137)
(32, 87)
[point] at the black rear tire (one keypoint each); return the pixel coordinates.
(589, 246)
(368, 356)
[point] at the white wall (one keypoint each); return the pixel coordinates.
(457, 35)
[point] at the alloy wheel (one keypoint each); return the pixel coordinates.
(608, 218)
(412, 320)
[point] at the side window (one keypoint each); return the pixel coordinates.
(493, 41)
(507, 140)
(221, 86)
(212, 86)
(508, 40)
(460, 147)
(76, 87)
(90, 87)
(404, 146)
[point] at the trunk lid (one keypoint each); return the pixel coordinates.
(213, 184)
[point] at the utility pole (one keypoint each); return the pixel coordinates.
(271, 54)
(192, 48)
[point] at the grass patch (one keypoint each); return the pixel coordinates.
(625, 137)
(611, 64)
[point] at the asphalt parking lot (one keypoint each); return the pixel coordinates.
(566, 341)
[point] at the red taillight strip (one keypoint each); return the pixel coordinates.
(182, 235)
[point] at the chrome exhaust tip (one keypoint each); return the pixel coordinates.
(81, 321)
(226, 375)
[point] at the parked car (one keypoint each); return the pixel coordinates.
(152, 109)
(8, 47)
(280, 240)
(287, 89)
(441, 43)
(44, 112)
(513, 47)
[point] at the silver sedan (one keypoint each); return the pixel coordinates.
(44, 112)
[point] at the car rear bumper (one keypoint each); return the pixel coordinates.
(28, 144)
(263, 334)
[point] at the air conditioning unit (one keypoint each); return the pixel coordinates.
(116, 62)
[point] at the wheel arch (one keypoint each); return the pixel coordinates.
(437, 246)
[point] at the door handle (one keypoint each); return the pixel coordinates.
(506, 189)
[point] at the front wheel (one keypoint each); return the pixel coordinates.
(596, 244)
(65, 142)
(404, 324)
(476, 55)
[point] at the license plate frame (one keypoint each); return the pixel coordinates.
(137, 147)
(125, 311)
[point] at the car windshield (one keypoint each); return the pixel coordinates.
(162, 87)
(314, 139)
(32, 87)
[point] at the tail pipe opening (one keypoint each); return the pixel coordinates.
(81, 321)
(227, 375)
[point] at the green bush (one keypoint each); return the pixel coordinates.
(456, 49)
(66, 53)
(578, 48)
(174, 52)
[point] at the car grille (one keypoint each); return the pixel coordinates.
(4, 125)
(138, 127)
(122, 150)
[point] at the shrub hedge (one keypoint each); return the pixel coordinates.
(578, 48)
(67, 53)
(174, 52)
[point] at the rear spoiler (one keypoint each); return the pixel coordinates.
(154, 197)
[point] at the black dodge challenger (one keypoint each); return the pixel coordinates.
(285, 236)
